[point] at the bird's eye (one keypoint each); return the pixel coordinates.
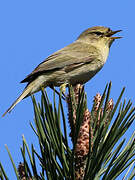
(98, 33)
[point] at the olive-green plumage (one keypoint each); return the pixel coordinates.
(75, 63)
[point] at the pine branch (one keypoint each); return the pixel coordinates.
(97, 150)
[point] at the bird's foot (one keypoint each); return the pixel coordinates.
(63, 88)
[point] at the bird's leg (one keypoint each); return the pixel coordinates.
(63, 89)
(52, 87)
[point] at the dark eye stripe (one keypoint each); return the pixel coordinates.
(98, 33)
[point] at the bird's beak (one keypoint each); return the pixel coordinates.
(112, 33)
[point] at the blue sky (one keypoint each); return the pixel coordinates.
(30, 30)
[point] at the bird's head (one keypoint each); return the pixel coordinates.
(99, 33)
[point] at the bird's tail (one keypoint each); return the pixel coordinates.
(26, 92)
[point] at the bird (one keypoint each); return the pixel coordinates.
(74, 64)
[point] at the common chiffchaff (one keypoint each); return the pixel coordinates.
(73, 64)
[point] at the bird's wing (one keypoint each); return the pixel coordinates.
(69, 57)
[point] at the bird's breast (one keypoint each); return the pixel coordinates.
(104, 51)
